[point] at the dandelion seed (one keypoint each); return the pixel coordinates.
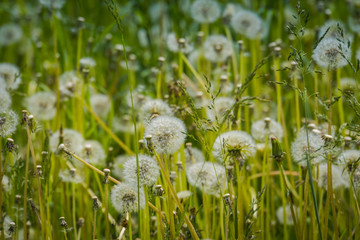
(93, 152)
(5, 99)
(289, 218)
(154, 107)
(331, 54)
(72, 139)
(203, 176)
(221, 105)
(125, 199)
(218, 48)
(42, 105)
(148, 170)
(205, 11)
(8, 123)
(248, 24)
(100, 104)
(300, 148)
(168, 134)
(339, 178)
(9, 34)
(267, 127)
(11, 74)
(234, 145)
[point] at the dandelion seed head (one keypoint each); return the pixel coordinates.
(229, 11)
(123, 124)
(221, 105)
(328, 54)
(202, 175)
(100, 104)
(348, 158)
(154, 106)
(52, 4)
(348, 85)
(118, 166)
(205, 11)
(71, 176)
(184, 194)
(72, 139)
(173, 44)
(8, 123)
(93, 152)
(6, 225)
(6, 183)
(10, 33)
(124, 198)
(87, 62)
(5, 99)
(148, 170)
(339, 177)
(218, 48)
(42, 105)
(68, 83)
(234, 145)
(11, 74)
(168, 134)
(197, 156)
(248, 24)
(289, 219)
(266, 127)
(334, 31)
(299, 148)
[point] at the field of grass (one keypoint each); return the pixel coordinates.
(192, 119)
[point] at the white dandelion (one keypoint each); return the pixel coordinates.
(68, 83)
(8, 123)
(6, 183)
(5, 99)
(315, 148)
(331, 54)
(154, 107)
(289, 218)
(248, 24)
(42, 105)
(218, 48)
(349, 159)
(234, 145)
(100, 104)
(71, 176)
(339, 177)
(221, 105)
(87, 62)
(9, 34)
(93, 152)
(266, 127)
(118, 166)
(149, 170)
(124, 198)
(168, 134)
(205, 11)
(72, 139)
(207, 176)
(174, 45)
(11, 74)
